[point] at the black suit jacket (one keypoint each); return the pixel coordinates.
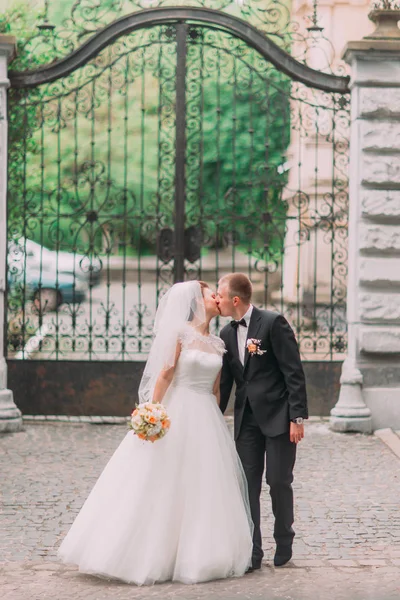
(273, 383)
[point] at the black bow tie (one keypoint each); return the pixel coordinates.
(235, 324)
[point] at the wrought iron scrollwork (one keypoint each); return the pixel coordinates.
(264, 185)
(273, 18)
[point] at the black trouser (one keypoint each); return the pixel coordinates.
(253, 446)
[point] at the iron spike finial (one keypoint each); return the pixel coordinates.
(46, 25)
(314, 18)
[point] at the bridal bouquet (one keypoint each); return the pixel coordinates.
(149, 421)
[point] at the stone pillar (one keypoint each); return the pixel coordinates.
(370, 384)
(10, 416)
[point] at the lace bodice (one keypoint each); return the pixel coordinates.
(200, 360)
(192, 339)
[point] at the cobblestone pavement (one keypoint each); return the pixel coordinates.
(347, 490)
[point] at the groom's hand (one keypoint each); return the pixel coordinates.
(296, 432)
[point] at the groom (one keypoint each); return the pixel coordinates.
(270, 405)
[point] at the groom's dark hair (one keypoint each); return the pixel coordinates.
(238, 285)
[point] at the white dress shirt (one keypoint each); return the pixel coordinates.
(242, 333)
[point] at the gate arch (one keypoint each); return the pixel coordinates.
(202, 16)
(228, 109)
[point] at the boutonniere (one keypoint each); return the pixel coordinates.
(253, 347)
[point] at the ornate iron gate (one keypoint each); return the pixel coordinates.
(173, 144)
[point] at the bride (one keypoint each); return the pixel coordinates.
(176, 509)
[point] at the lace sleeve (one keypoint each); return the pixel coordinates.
(187, 336)
(219, 345)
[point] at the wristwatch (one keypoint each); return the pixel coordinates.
(298, 421)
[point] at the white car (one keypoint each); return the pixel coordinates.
(40, 280)
(41, 258)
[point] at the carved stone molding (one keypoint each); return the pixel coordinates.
(385, 15)
(379, 102)
(379, 307)
(380, 136)
(382, 170)
(376, 204)
(380, 238)
(380, 271)
(379, 340)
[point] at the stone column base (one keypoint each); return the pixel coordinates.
(350, 412)
(350, 424)
(10, 415)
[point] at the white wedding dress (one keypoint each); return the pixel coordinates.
(176, 509)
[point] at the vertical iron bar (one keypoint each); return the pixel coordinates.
(332, 228)
(58, 346)
(219, 213)
(159, 157)
(234, 188)
(300, 225)
(220, 205)
(142, 191)
(202, 199)
(106, 230)
(92, 205)
(124, 226)
(315, 226)
(42, 211)
(286, 102)
(266, 185)
(180, 151)
(25, 192)
(75, 331)
(250, 94)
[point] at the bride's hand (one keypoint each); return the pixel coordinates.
(216, 388)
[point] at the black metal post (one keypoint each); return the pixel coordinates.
(180, 152)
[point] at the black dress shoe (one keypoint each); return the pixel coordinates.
(282, 555)
(254, 567)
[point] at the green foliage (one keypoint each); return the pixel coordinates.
(245, 144)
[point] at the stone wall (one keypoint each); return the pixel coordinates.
(374, 231)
